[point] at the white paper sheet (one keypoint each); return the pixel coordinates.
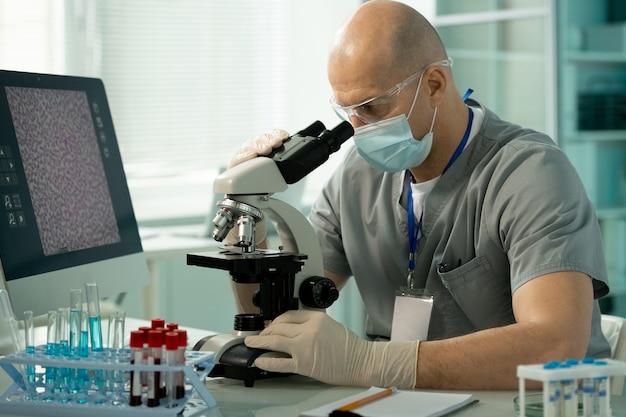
(400, 404)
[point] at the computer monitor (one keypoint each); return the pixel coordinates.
(67, 217)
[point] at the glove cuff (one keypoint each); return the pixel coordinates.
(397, 364)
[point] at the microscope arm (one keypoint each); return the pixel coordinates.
(296, 235)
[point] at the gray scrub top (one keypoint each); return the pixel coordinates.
(510, 208)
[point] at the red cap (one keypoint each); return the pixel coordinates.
(155, 338)
(171, 341)
(137, 339)
(182, 337)
(172, 326)
(145, 329)
(156, 323)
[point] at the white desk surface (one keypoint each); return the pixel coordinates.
(289, 396)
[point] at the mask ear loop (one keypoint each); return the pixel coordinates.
(415, 97)
(432, 124)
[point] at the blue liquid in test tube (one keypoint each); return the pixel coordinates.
(95, 325)
(95, 329)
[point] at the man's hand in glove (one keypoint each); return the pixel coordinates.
(328, 351)
(261, 145)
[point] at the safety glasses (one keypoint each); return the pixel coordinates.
(376, 108)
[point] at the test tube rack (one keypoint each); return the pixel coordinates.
(15, 401)
(569, 371)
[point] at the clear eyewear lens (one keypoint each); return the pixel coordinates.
(366, 114)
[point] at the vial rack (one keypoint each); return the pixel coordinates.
(567, 371)
(13, 401)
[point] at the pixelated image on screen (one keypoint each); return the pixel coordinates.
(63, 168)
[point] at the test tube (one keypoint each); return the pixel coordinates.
(182, 347)
(63, 315)
(569, 403)
(171, 358)
(63, 373)
(52, 349)
(551, 394)
(29, 338)
(604, 407)
(29, 332)
(137, 338)
(82, 375)
(146, 353)
(76, 309)
(588, 387)
(116, 330)
(83, 348)
(116, 345)
(95, 324)
(155, 344)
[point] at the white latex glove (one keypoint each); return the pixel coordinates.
(328, 351)
(261, 145)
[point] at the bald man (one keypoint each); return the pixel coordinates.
(500, 241)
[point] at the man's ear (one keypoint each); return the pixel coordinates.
(437, 82)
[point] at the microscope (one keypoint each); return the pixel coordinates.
(290, 277)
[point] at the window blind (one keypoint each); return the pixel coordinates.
(188, 81)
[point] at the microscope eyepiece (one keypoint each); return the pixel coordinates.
(338, 135)
(314, 129)
(308, 149)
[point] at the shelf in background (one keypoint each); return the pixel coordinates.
(611, 213)
(596, 57)
(595, 136)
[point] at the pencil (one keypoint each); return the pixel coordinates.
(366, 400)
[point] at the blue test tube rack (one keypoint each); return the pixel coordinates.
(571, 373)
(14, 401)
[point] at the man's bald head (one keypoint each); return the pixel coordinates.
(385, 35)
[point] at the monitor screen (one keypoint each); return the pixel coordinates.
(67, 213)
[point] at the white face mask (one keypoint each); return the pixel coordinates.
(389, 145)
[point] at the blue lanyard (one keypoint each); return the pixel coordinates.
(413, 230)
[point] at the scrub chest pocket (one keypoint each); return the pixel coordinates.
(482, 296)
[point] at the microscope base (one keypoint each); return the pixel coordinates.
(247, 375)
(237, 360)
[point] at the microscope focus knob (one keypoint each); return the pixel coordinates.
(318, 292)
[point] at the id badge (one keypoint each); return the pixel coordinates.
(411, 315)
